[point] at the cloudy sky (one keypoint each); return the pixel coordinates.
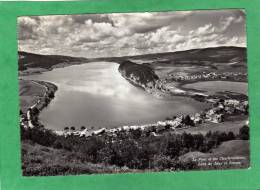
(106, 35)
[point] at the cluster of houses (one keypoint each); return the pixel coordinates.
(26, 119)
(216, 114)
(211, 75)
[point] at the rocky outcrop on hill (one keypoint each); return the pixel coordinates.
(139, 75)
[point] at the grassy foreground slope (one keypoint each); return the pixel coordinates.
(45, 153)
(235, 152)
(38, 160)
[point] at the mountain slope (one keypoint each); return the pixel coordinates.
(138, 74)
(31, 60)
(203, 57)
(219, 54)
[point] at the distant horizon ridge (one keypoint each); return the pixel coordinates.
(21, 51)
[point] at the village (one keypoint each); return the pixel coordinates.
(180, 76)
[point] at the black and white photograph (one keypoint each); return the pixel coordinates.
(133, 92)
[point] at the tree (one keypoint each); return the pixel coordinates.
(173, 148)
(72, 128)
(222, 137)
(136, 133)
(167, 126)
(187, 121)
(244, 132)
(221, 100)
(66, 128)
(57, 144)
(105, 155)
(209, 134)
(198, 141)
(231, 136)
(51, 94)
(215, 138)
(162, 162)
(246, 107)
(203, 114)
(188, 140)
(83, 128)
(46, 100)
(35, 111)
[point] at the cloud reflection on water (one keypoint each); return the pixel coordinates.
(104, 80)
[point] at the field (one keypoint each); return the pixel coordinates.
(197, 61)
(40, 160)
(30, 92)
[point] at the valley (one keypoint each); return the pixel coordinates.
(199, 96)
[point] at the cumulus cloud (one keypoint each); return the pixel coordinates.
(121, 34)
(27, 28)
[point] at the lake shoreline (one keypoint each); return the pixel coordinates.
(200, 98)
(30, 119)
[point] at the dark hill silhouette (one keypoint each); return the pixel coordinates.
(195, 56)
(32, 60)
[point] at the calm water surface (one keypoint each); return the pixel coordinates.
(96, 95)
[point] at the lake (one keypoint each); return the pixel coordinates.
(96, 95)
(211, 87)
